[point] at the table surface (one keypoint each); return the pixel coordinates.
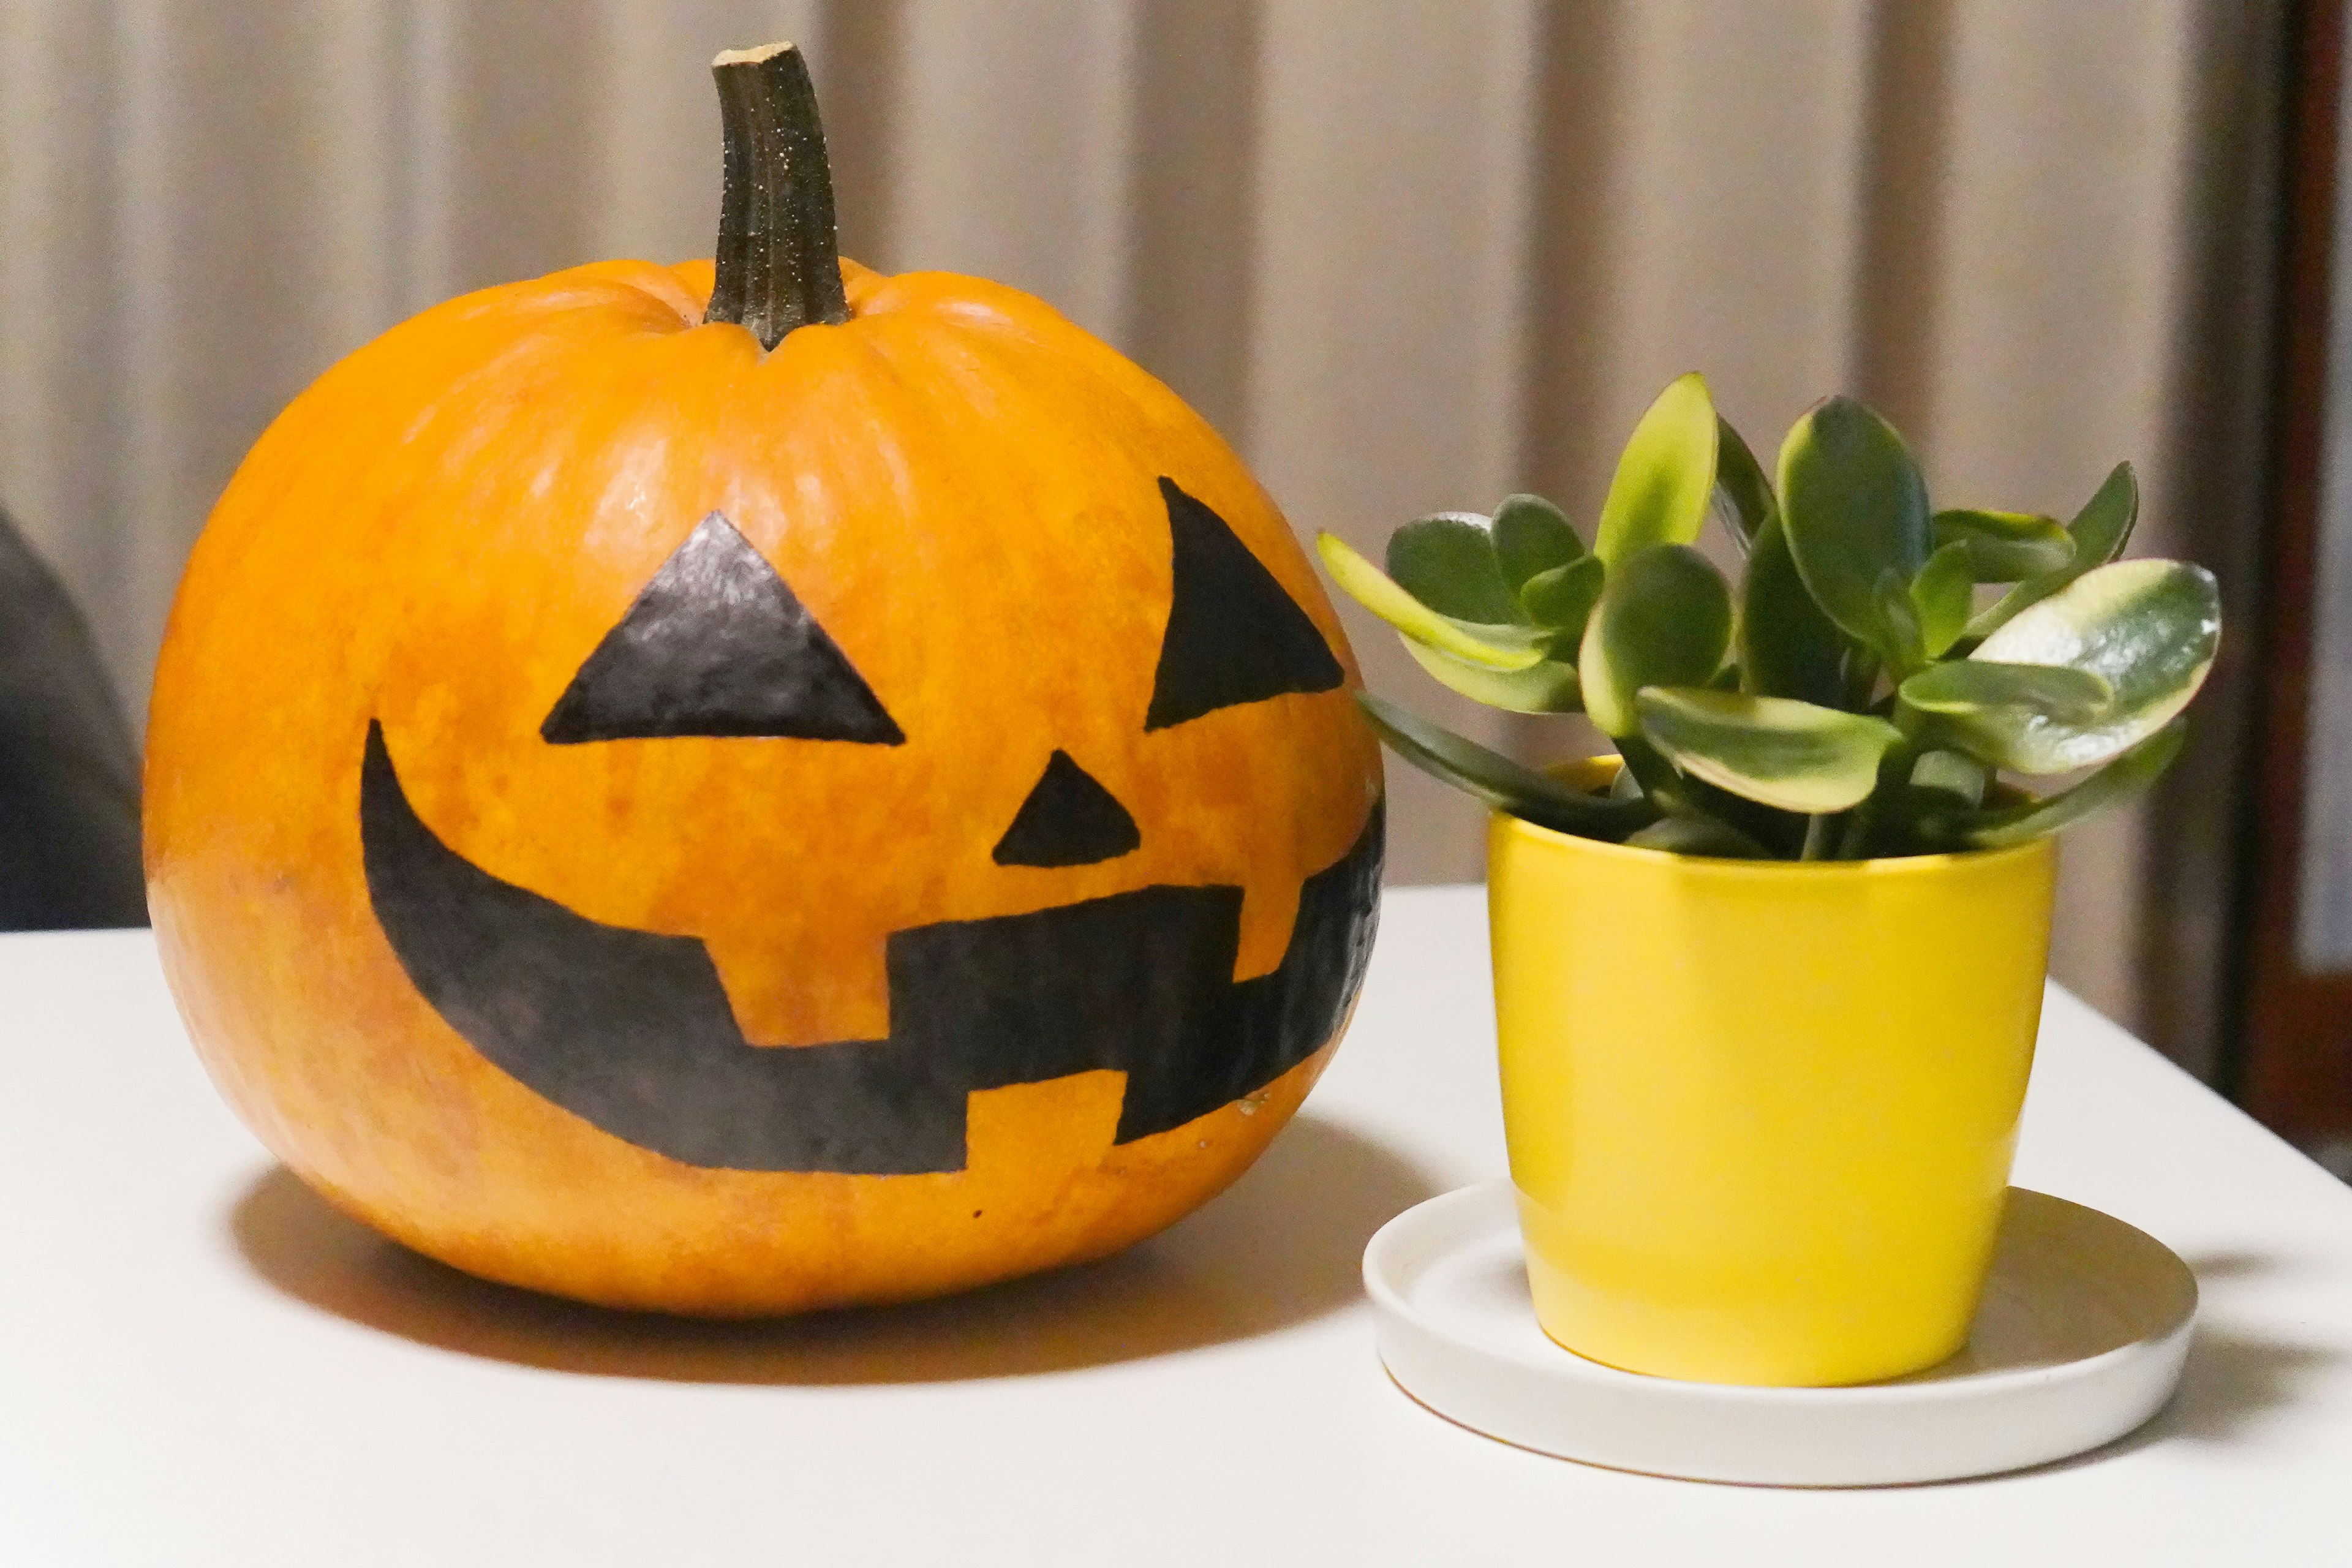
(199, 1362)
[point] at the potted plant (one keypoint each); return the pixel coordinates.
(1768, 980)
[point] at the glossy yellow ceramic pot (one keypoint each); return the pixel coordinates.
(1760, 1114)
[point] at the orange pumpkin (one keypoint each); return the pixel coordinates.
(738, 818)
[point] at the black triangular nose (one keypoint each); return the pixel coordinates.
(1068, 820)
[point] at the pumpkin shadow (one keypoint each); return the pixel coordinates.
(1282, 1246)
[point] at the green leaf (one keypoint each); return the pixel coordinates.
(1792, 755)
(2001, 712)
(1492, 646)
(2104, 526)
(2007, 546)
(1968, 687)
(1854, 508)
(1563, 597)
(1692, 834)
(1787, 647)
(1663, 619)
(1502, 782)
(1942, 596)
(1549, 686)
(1953, 777)
(2100, 530)
(1531, 536)
(1447, 561)
(1664, 477)
(2121, 779)
(1899, 614)
(1743, 497)
(2149, 628)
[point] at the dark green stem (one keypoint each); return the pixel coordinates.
(1650, 769)
(779, 251)
(1862, 822)
(1861, 680)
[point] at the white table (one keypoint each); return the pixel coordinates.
(200, 1363)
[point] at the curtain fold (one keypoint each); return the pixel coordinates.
(1408, 254)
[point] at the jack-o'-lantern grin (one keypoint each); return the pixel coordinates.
(633, 1031)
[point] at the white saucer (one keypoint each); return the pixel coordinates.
(2081, 1337)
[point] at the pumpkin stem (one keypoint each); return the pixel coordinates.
(779, 252)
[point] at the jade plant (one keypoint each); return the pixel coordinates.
(1886, 679)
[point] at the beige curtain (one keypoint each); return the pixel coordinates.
(1410, 254)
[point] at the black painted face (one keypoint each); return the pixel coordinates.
(633, 1031)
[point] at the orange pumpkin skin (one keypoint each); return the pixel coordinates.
(961, 488)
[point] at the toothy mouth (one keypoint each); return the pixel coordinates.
(632, 1030)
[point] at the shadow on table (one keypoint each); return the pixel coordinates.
(2233, 1379)
(2236, 1374)
(1282, 1246)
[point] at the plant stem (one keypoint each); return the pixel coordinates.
(1817, 836)
(778, 250)
(1861, 680)
(1862, 822)
(1650, 769)
(1858, 824)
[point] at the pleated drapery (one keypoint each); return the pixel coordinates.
(1410, 254)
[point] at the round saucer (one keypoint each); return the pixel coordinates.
(2080, 1338)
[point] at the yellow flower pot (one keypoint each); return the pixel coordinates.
(1760, 1114)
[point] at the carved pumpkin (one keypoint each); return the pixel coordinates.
(736, 819)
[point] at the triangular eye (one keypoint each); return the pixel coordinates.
(716, 645)
(1233, 634)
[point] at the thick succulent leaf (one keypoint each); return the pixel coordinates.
(2149, 628)
(1955, 778)
(2001, 712)
(2007, 546)
(1787, 647)
(1942, 596)
(2105, 525)
(1663, 619)
(1447, 561)
(1968, 687)
(2099, 532)
(1743, 499)
(1549, 686)
(1854, 508)
(1692, 834)
(1907, 644)
(1492, 646)
(1499, 780)
(1792, 755)
(1563, 597)
(1665, 476)
(2120, 780)
(1531, 536)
